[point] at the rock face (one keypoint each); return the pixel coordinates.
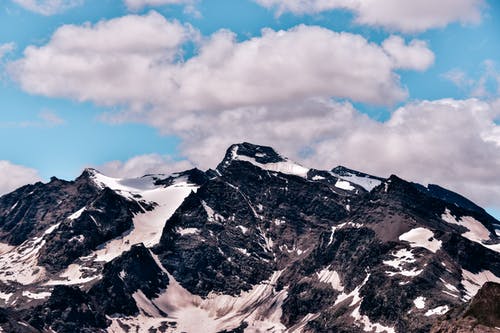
(258, 244)
(482, 314)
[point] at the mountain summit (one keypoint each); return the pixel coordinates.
(260, 244)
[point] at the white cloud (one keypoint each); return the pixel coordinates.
(416, 55)
(458, 77)
(48, 7)
(138, 4)
(14, 176)
(112, 62)
(397, 15)
(454, 143)
(6, 48)
(50, 118)
(144, 67)
(144, 164)
(275, 90)
(487, 85)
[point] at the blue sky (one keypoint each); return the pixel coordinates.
(58, 132)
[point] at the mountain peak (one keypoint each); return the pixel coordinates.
(263, 157)
(261, 154)
(89, 172)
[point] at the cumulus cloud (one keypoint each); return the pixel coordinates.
(274, 89)
(144, 164)
(398, 15)
(14, 176)
(144, 67)
(48, 7)
(415, 56)
(454, 143)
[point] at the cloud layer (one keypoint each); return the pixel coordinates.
(454, 143)
(17, 176)
(48, 7)
(398, 15)
(144, 67)
(276, 89)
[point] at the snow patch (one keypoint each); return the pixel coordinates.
(287, 167)
(403, 258)
(477, 231)
(243, 251)
(279, 222)
(260, 308)
(243, 229)
(419, 302)
(187, 231)
(299, 327)
(421, 237)
(473, 282)
(51, 229)
(212, 215)
(77, 214)
(344, 185)
(148, 226)
(73, 275)
(31, 295)
(4, 247)
(440, 310)
(331, 277)
(268, 241)
(354, 294)
(145, 305)
(20, 264)
(5, 296)
(366, 182)
(368, 326)
(341, 226)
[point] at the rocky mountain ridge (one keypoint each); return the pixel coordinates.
(258, 244)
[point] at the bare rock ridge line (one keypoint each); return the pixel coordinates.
(258, 244)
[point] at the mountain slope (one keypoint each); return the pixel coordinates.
(258, 244)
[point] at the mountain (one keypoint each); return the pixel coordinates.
(258, 244)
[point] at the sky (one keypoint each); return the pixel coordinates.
(146, 86)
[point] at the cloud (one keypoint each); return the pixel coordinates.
(138, 4)
(50, 118)
(144, 164)
(6, 48)
(274, 89)
(144, 69)
(487, 85)
(415, 56)
(395, 15)
(454, 143)
(46, 119)
(14, 176)
(48, 7)
(458, 77)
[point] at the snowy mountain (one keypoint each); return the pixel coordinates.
(259, 244)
